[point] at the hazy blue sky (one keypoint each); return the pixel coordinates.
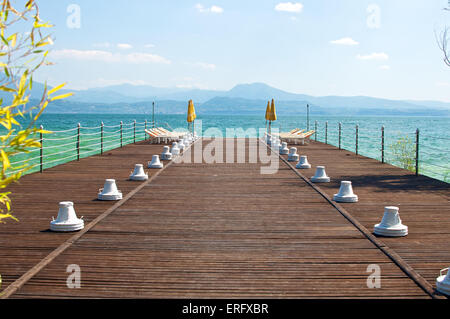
(384, 48)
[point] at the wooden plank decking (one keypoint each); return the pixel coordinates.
(224, 230)
(424, 204)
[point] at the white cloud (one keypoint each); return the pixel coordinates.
(216, 9)
(385, 67)
(200, 7)
(124, 46)
(207, 66)
(192, 86)
(104, 56)
(373, 56)
(145, 58)
(102, 45)
(95, 55)
(289, 7)
(345, 41)
(105, 45)
(212, 9)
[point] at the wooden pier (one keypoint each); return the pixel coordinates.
(224, 230)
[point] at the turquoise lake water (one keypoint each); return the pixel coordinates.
(434, 138)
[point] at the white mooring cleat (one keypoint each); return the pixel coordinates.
(443, 282)
(275, 145)
(166, 155)
(181, 146)
(284, 150)
(391, 224)
(320, 176)
(155, 163)
(293, 156)
(345, 194)
(67, 219)
(138, 174)
(109, 191)
(303, 163)
(175, 149)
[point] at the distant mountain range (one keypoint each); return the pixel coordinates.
(242, 99)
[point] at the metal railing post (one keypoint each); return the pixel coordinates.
(121, 127)
(78, 142)
(153, 116)
(134, 134)
(417, 152)
(326, 132)
(101, 139)
(340, 131)
(315, 130)
(307, 117)
(357, 133)
(145, 128)
(42, 150)
(382, 144)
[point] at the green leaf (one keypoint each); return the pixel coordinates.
(6, 89)
(56, 88)
(62, 96)
(29, 4)
(13, 40)
(5, 160)
(4, 40)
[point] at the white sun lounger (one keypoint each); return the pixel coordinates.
(159, 134)
(297, 138)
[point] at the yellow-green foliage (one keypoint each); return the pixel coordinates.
(447, 176)
(21, 54)
(404, 153)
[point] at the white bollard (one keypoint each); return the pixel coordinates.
(284, 149)
(155, 163)
(138, 174)
(181, 146)
(443, 282)
(293, 156)
(166, 155)
(67, 219)
(175, 150)
(275, 144)
(303, 163)
(320, 176)
(109, 191)
(269, 140)
(391, 224)
(345, 194)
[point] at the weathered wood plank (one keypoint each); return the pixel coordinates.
(200, 230)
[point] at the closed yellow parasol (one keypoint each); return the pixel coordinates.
(272, 115)
(191, 116)
(191, 112)
(267, 112)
